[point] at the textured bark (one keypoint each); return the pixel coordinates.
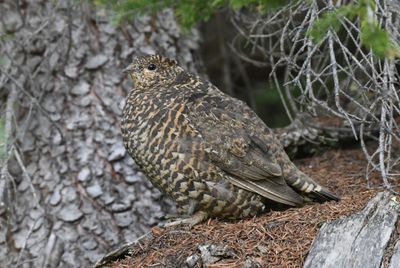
(366, 239)
(69, 193)
(81, 195)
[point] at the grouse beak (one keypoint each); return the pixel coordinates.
(128, 69)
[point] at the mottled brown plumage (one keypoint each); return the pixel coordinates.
(208, 151)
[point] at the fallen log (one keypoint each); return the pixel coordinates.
(366, 239)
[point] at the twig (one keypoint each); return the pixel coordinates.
(26, 242)
(8, 129)
(336, 84)
(338, 75)
(34, 101)
(27, 176)
(125, 250)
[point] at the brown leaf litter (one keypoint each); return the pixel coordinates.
(275, 239)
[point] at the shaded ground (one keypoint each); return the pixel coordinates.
(276, 239)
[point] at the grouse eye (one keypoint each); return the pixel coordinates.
(151, 67)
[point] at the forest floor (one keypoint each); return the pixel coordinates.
(274, 239)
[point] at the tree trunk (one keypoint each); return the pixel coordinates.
(69, 192)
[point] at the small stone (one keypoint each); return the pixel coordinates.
(69, 233)
(120, 206)
(69, 194)
(147, 50)
(206, 256)
(57, 150)
(110, 236)
(132, 178)
(94, 190)
(55, 117)
(90, 244)
(91, 222)
(28, 143)
(70, 124)
(129, 161)
(98, 171)
(212, 253)
(85, 101)
(33, 63)
(12, 21)
(15, 170)
(84, 174)
(87, 208)
(191, 261)
(84, 121)
(56, 138)
(71, 71)
(99, 136)
(116, 109)
(80, 51)
(35, 213)
(44, 165)
(63, 167)
(23, 186)
(106, 126)
(59, 25)
(70, 213)
(123, 219)
(93, 257)
(118, 167)
(117, 152)
(85, 153)
(43, 132)
(82, 88)
(49, 86)
(38, 224)
(105, 94)
(55, 198)
(50, 104)
(53, 61)
(109, 29)
(107, 199)
(31, 169)
(131, 235)
(131, 190)
(19, 238)
(127, 53)
(96, 62)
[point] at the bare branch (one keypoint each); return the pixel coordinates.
(337, 76)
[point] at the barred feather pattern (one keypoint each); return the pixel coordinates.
(206, 150)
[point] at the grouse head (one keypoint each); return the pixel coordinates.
(150, 70)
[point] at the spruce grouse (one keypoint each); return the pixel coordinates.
(206, 150)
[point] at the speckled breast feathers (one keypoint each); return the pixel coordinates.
(206, 150)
